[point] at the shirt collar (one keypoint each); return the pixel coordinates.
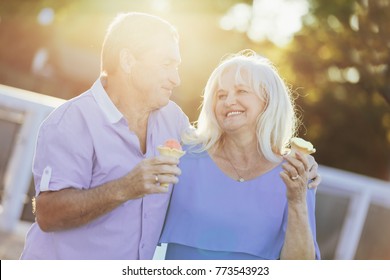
(105, 103)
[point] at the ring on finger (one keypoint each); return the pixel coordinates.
(294, 177)
(313, 179)
(156, 179)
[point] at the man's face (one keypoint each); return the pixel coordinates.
(155, 74)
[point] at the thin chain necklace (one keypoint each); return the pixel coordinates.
(240, 178)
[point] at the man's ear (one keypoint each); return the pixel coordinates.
(126, 60)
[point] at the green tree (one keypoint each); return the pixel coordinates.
(340, 60)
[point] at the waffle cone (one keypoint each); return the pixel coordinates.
(166, 151)
(302, 146)
(171, 152)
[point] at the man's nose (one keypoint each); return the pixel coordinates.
(175, 78)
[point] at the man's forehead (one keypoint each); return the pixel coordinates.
(166, 50)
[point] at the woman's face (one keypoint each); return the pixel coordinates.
(237, 106)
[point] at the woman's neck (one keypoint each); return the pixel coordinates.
(240, 158)
(241, 148)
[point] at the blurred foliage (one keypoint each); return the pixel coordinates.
(341, 60)
(338, 64)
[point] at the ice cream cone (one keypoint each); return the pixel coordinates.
(171, 148)
(302, 146)
(172, 152)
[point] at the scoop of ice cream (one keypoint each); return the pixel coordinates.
(173, 144)
(301, 145)
(171, 148)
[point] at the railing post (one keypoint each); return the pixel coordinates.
(353, 226)
(18, 174)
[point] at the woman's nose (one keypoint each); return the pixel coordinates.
(230, 99)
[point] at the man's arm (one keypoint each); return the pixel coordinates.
(70, 207)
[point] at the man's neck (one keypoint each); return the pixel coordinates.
(132, 107)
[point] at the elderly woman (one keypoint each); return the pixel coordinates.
(240, 195)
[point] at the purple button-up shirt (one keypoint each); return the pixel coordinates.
(84, 143)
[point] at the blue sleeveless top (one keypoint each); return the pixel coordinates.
(212, 216)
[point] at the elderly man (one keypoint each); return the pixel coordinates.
(97, 171)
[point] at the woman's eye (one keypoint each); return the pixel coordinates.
(242, 91)
(221, 96)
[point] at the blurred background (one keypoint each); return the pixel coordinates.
(334, 54)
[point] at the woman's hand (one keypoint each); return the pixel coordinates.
(295, 175)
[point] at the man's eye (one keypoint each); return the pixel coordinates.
(170, 65)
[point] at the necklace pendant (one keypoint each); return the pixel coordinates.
(241, 179)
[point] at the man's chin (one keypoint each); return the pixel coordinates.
(163, 102)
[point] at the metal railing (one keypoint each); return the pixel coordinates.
(362, 192)
(33, 108)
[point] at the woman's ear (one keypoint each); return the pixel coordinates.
(126, 60)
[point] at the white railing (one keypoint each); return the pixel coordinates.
(17, 177)
(363, 192)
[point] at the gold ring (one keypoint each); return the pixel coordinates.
(295, 177)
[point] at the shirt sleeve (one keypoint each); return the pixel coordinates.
(64, 153)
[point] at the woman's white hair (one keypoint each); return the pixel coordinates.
(275, 125)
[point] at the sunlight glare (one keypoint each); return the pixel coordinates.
(352, 75)
(354, 22)
(46, 16)
(161, 5)
(275, 20)
(334, 74)
(238, 18)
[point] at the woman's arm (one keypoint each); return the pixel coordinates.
(299, 243)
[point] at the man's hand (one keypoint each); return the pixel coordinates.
(314, 177)
(148, 175)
